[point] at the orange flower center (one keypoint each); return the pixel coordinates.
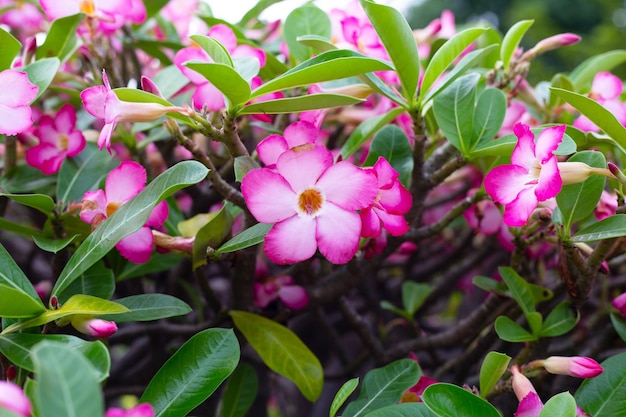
(310, 201)
(87, 7)
(111, 208)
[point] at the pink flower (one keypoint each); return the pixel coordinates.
(111, 14)
(21, 16)
(578, 366)
(122, 184)
(532, 176)
(619, 303)
(391, 204)
(312, 202)
(606, 206)
(12, 398)
(94, 327)
(530, 404)
(16, 93)
(606, 89)
(140, 410)
(282, 287)
(58, 139)
(102, 102)
(296, 134)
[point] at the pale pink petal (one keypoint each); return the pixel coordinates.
(293, 296)
(503, 183)
(14, 120)
(548, 141)
(338, 233)
(191, 54)
(303, 165)
(550, 181)
(270, 148)
(524, 151)
(125, 182)
(351, 30)
(349, 186)
(299, 133)
(291, 240)
(606, 85)
(158, 216)
(530, 406)
(224, 35)
(396, 200)
(269, 197)
(45, 157)
(56, 8)
(137, 247)
(65, 119)
(104, 139)
(583, 123)
(517, 212)
(247, 51)
(370, 223)
(12, 398)
(75, 143)
(395, 224)
(97, 203)
(93, 99)
(207, 95)
(617, 108)
(15, 89)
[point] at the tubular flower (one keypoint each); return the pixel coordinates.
(312, 202)
(530, 404)
(16, 93)
(13, 399)
(532, 176)
(578, 366)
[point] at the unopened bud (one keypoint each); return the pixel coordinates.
(148, 85)
(12, 398)
(576, 172)
(578, 366)
(619, 303)
(94, 327)
(548, 44)
(11, 372)
(54, 302)
(521, 384)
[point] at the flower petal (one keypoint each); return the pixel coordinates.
(548, 141)
(370, 223)
(550, 181)
(94, 203)
(607, 85)
(504, 182)
(269, 197)
(530, 406)
(524, 151)
(15, 89)
(517, 212)
(158, 216)
(299, 133)
(191, 54)
(349, 186)
(125, 182)
(291, 240)
(396, 200)
(270, 148)
(14, 120)
(395, 224)
(338, 233)
(137, 247)
(293, 296)
(303, 165)
(93, 99)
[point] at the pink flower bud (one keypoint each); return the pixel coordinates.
(94, 327)
(12, 398)
(550, 43)
(141, 410)
(579, 366)
(521, 384)
(619, 303)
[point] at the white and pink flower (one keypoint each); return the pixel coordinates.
(16, 94)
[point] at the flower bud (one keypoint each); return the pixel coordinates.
(94, 327)
(521, 384)
(578, 366)
(12, 398)
(550, 43)
(576, 172)
(619, 303)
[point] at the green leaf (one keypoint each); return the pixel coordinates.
(77, 305)
(154, 6)
(560, 405)
(403, 410)
(605, 394)
(214, 48)
(511, 41)
(535, 322)
(611, 227)
(305, 20)
(242, 165)
(53, 245)
(146, 307)
(225, 79)
(454, 111)
(97, 281)
(560, 320)
(282, 351)
(493, 367)
(327, 66)
(160, 263)
(128, 219)
(519, 289)
(509, 331)
(414, 294)
(193, 373)
(488, 116)
(397, 37)
(320, 43)
(67, 384)
(393, 144)
(447, 54)
(7, 413)
(597, 113)
(61, 40)
(170, 80)
(299, 104)
(619, 324)
(255, 11)
(342, 395)
(448, 400)
(577, 201)
(366, 129)
(249, 237)
(14, 302)
(583, 74)
(19, 229)
(212, 234)
(241, 391)
(246, 66)
(42, 202)
(10, 48)
(384, 386)
(11, 276)
(42, 72)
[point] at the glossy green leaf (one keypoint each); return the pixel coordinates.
(560, 405)
(42, 72)
(53, 245)
(583, 74)
(225, 79)
(67, 384)
(255, 11)
(488, 116)
(241, 391)
(214, 48)
(14, 302)
(393, 144)
(163, 262)
(454, 111)
(414, 294)
(19, 228)
(146, 307)
(519, 289)
(342, 395)
(448, 400)
(535, 322)
(128, 218)
(320, 43)
(97, 281)
(61, 39)
(282, 351)
(577, 201)
(560, 320)
(7, 413)
(11, 276)
(10, 48)
(619, 324)
(305, 20)
(383, 89)
(212, 234)
(511, 41)
(509, 331)
(154, 6)
(383, 387)
(403, 410)
(366, 129)
(77, 305)
(327, 66)
(170, 80)
(493, 367)
(605, 394)
(43, 203)
(397, 37)
(242, 165)
(447, 54)
(193, 373)
(247, 66)
(300, 104)
(249, 237)
(610, 227)
(597, 113)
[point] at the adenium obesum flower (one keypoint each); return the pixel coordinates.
(312, 202)
(578, 366)
(58, 139)
(296, 134)
(122, 184)
(94, 327)
(16, 93)
(283, 288)
(13, 399)
(140, 410)
(606, 89)
(102, 102)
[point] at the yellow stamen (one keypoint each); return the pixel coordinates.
(310, 201)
